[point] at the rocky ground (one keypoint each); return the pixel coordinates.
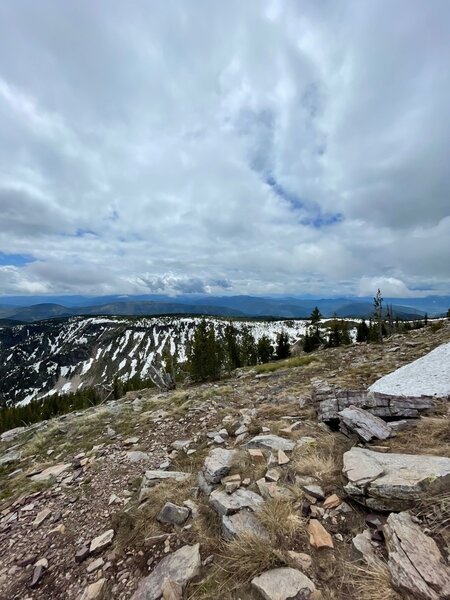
(267, 501)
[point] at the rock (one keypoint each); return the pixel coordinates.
(282, 458)
(362, 543)
(218, 464)
(203, 485)
(93, 591)
(42, 562)
(271, 442)
(11, 434)
(270, 489)
(180, 566)
(272, 475)
(10, 457)
(227, 504)
(256, 456)
(152, 478)
(300, 560)
(171, 513)
(243, 522)
(332, 501)
(135, 456)
(364, 424)
(318, 535)
(315, 491)
(41, 517)
(393, 481)
(94, 565)
(242, 430)
(181, 444)
(38, 573)
(130, 441)
(82, 554)
(102, 541)
(415, 562)
(284, 584)
(50, 472)
(171, 590)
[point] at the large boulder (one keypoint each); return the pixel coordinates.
(415, 562)
(284, 584)
(180, 566)
(393, 481)
(366, 425)
(218, 464)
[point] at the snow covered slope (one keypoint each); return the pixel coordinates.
(427, 376)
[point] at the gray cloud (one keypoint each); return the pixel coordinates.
(257, 147)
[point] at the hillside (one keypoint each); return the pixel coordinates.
(90, 508)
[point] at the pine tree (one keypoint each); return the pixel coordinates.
(248, 348)
(231, 348)
(362, 332)
(378, 314)
(264, 349)
(283, 349)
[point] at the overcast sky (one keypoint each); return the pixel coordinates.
(253, 146)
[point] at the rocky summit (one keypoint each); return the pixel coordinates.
(296, 479)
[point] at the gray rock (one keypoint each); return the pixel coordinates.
(364, 424)
(364, 548)
(284, 584)
(50, 472)
(315, 491)
(11, 434)
(181, 444)
(392, 481)
(152, 478)
(180, 566)
(10, 457)
(203, 485)
(171, 513)
(218, 464)
(241, 523)
(271, 442)
(135, 456)
(415, 562)
(102, 541)
(227, 504)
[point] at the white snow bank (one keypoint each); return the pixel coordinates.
(426, 376)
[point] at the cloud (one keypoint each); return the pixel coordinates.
(257, 147)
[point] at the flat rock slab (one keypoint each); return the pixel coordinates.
(152, 478)
(318, 535)
(271, 442)
(415, 562)
(10, 457)
(50, 472)
(135, 456)
(366, 425)
(101, 541)
(171, 513)
(180, 567)
(243, 522)
(227, 504)
(392, 481)
(284, 584)
(218, 464)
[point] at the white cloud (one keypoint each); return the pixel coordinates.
(174, 145)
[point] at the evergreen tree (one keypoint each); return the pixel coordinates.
(206, 353)
(425, 319)
(264, 349)
(231, 348)
(378, 314)
(311, 340)
(248, 349)
(283, 349)
(362, 332)
(315, 316)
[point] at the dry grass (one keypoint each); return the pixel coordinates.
(368, 582)
(289, 363)
(434, 510)
(284, 523)
(431, 435)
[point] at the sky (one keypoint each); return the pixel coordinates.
(257, 147)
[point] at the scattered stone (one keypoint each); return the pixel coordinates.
(42, 562)
(270, 489)
(94, 565)
(11, 434)
(218, 464)
(82, 554)
(415, 562)
(300, 560)
(282, 458)
(247, 481)
(94, 591)
(193, 507)
(181, 444)
(393, 481)
(135, 456)
(318, 535)
(50, 472)
(364, 424)
(152, 478)
(171, 513)
(373, 521)
(203, 485)
(271, 442)
(243, 522)
(28, 560)
(242, 430)
(227, 504)
(41, 517)
(130, 441)
(284, 584)
(272, 475)
(362, 543)
(332, 501)
(315, 491)
(256, 456)
(102, 541)
(114, 499)
(180, 566)
(59, 529)
(38, 573)
(10, 457)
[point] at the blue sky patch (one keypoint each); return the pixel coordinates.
(15, 260)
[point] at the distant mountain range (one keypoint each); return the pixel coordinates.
(35, 308)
